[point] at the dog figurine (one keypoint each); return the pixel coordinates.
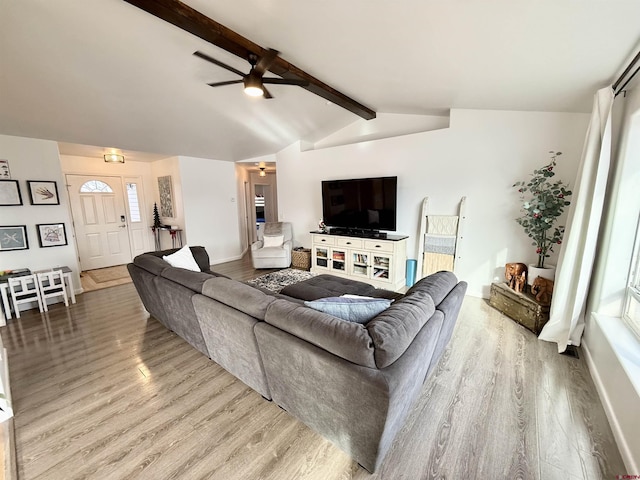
(542, 288)
(512, 271)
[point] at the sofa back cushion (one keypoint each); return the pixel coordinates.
(151, 263)
(437, 285)
(347, 340)
(192, 280)
(393, 330)
(199, 254)
(238, 295)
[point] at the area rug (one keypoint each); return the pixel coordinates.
(109, 274)
(276, 281)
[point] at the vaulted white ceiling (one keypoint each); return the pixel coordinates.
(105, 73)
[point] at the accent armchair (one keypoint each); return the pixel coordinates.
(273, 248)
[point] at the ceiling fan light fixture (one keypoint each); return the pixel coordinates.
(253, 87)
(113, 158)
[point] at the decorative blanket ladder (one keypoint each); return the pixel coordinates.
(439, 240)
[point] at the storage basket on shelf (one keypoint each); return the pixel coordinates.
(301, 258)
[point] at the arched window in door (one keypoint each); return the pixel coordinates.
(95, 186)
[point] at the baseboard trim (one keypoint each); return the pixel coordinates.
(225, 260)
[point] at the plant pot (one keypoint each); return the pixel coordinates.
(548, 272)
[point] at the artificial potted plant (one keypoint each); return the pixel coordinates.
(543, 201)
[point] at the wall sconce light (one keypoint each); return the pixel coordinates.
(113, 158)
(262, 172)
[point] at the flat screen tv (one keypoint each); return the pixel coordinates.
(360, 203)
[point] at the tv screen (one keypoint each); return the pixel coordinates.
(360, 203)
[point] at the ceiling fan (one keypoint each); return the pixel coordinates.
(254, 82)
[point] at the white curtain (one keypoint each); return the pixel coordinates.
(575, 263)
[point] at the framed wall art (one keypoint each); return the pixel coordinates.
(5, 173)
(42, 192)
(51, 234)
(10, 193)
(166, 196)
(13, 237)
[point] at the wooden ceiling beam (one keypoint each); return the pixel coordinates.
(194, 22)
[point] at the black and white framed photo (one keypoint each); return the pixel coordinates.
(5, 173)
(51, 234)
(13, 237)
(10, 193)
(42, 192)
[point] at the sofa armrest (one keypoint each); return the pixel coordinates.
(256, 245)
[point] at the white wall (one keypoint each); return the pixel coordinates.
(480, 156)
(31, 159)
(209, 193)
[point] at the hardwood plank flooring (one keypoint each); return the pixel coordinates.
(103, 391)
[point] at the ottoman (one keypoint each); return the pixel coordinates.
(324, 286)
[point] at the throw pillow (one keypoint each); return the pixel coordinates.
(183, 258)
(351, 308)
(273, 241)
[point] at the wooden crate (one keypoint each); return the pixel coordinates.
(521, 307)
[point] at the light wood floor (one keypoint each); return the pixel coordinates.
(103, 391)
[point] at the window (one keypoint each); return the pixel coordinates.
(134, 206)
(632, 298)
(95, 186)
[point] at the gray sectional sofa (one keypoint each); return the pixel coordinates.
(353, 383)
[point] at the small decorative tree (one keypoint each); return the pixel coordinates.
(156, 216)
(541, 207)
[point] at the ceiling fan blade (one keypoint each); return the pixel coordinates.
(265, 61)
(206, 57)
(267, 93)
(222, 84)
(285, 81)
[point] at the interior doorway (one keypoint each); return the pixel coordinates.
(100, 220)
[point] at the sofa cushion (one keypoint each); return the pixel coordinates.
(238, 295)
(192, 280)
(438, 285)
(183, 258)
(324, 286)
(270, 252)
(394, 329)
(151, 263)
(347, 340)
(358, 310)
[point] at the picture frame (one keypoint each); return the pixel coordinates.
(43, 192)
(13, 237)
(51, 234)
(5, 173)
(10, 193)
(166, 196)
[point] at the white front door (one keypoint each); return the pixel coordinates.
(100, 220)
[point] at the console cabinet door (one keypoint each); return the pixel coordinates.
(321, 257)
(360, 264)
(339, 260)
(382, 267)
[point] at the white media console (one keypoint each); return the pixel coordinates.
(377, 261)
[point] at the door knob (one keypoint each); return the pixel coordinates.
(122, 226)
